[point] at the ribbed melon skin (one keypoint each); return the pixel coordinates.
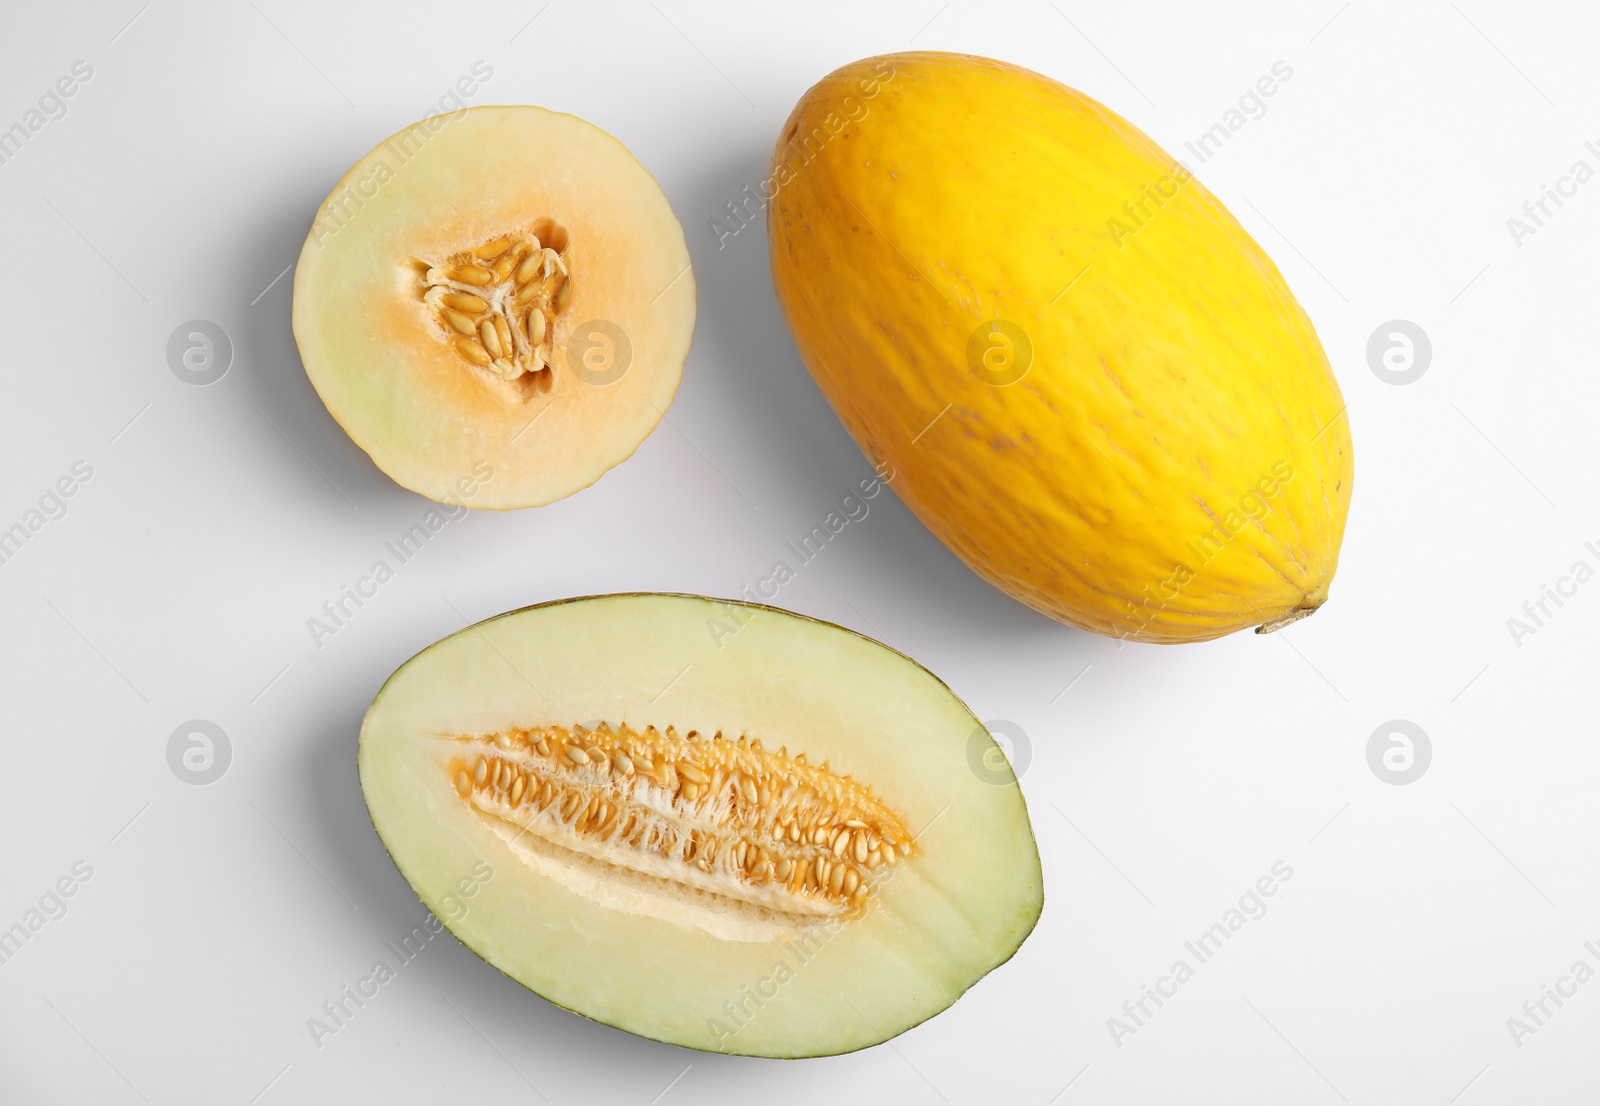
(1175, 464)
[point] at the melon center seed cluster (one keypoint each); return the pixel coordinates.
(496, 303)
(722, 816)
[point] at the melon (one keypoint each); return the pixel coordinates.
(709, 823)
(1090, 381)
(496, 305)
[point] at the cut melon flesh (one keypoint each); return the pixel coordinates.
(535, 224)
(680, 737)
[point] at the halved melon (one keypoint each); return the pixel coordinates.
(496, 305)
(714, 824)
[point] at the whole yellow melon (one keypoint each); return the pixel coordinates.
(1090, 382)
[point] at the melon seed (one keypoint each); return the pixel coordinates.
(461, 301)
(489, 336)
(471, 350)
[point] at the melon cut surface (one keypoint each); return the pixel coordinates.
(496, 305)
(713, 824)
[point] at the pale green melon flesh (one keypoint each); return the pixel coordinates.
(951, 912)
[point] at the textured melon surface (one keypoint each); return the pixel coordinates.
(717, 825)
(1090, 381)
(536, 224)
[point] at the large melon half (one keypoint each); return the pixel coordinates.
(714, 824)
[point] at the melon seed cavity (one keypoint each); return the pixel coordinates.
(704, 830)
(495, 304)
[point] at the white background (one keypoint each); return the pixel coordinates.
(1162, 783)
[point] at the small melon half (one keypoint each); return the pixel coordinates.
(496, 305)
(714, 824)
